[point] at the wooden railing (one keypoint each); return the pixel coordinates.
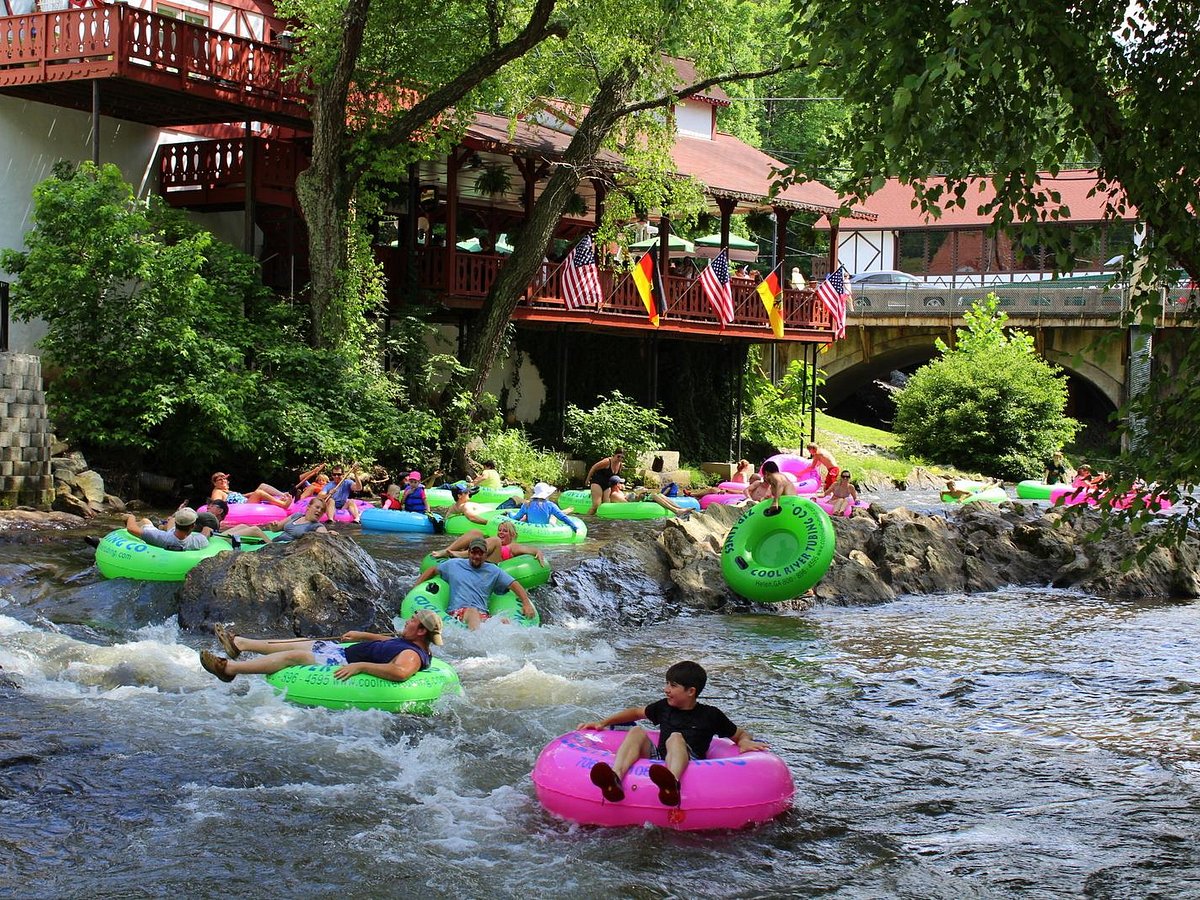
(686, 303)
(213, 171)
(121, 40)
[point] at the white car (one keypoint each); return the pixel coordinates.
(886, 278)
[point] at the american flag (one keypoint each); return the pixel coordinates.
(714, 281)
(834, 293)
(580, 277)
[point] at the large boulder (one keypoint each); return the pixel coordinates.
(319, 586)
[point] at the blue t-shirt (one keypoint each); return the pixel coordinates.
(384, 651)
(539, 512)
(471, 587)
(340, 491)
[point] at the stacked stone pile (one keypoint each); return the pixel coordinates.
(24, 433)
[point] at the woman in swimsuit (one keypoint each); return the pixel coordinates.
(501, 547)
(600, 478)
(264, 493)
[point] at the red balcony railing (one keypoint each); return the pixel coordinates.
(213, 173)
(805, 318)
(124, 42)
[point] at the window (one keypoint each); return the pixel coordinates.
(911, 254)
(172, 12)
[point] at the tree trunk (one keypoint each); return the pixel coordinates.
(486, 337)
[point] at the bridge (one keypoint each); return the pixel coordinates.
(1076, 325)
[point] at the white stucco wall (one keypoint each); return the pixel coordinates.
(867, 251)
(528, 390)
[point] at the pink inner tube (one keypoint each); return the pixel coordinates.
(736, 487)
(1072, 496)
(727, 790)
(709, 499)
(790, 464)
(826, 504)
(252, 513)
(1147, 499)
(343, 515)
(810, 484)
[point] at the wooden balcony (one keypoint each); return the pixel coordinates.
(688, 312)
(152, 69)
(211, 175)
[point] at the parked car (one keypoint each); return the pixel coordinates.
(885, 278)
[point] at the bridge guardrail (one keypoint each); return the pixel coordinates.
(1030, 299)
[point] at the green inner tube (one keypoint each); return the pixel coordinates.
(121, 555)
(316, 686)
(979, 493)
(554, 533)
(772, 558)
(435, 594)
(636, 509)
(1035, 490)
(524, 568)
(580, 500)
(499, 495)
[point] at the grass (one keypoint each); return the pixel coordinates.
(870, 453)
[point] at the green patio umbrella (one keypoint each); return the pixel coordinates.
(740, 249)
(675, 243)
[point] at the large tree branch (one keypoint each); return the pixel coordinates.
(401, 129)
(684, 93)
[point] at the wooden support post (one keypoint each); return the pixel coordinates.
(248, 212)
(726, 206)
(410, 232)
(833, 245)
(95, 122)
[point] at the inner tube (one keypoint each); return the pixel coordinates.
(826, 503)
(727, 789)
(635, 509)
(553, 533)
(438, 498)
(499, 495)
(578, 499)
(343, 514)
(316, 686)
(771, 558)
(524, 568)
(435, 594)
(798, 467)
(255, 513)
(1035, 490)
(729, 499)
(397, 520)
(121, 555)
(980, 492)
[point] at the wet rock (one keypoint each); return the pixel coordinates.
(92, 486)
(67, 502)
(28, 518)
(320, 585)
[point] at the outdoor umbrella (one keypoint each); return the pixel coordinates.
(675, 243)
(740, 249)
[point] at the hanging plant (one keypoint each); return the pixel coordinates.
(576, 206)
(492, 180)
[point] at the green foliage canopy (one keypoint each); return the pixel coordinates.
(614, 422)
(989, 404)
(777, 416)
(168, 347)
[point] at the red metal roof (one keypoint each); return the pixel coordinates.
(893, 203)
(685, 69)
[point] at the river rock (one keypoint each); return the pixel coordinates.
(92, 486)
(320, 585)
(24, 517)
(882, 554)
(67, 502)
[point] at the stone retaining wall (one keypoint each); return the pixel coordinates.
(25, 436)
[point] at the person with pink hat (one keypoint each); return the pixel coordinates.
(414, 494)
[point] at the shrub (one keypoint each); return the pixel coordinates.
(169, 349)
(990, 404)
(519, 460)
(777, 416)
(616, 421)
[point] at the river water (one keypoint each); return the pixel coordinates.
(1035, 743)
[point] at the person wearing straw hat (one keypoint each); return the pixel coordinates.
(392, 657)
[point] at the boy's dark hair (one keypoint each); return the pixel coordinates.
(219, 505)
(456, 492)
(688, 674)
(770, 467)
(489, 464)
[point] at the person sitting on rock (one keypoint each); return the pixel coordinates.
(778, 483)
(264, 493)
(179, 532)
(499, 548)
(212, 521)
(392, 657)
(472, 582)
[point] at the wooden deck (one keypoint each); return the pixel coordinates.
(151, 68)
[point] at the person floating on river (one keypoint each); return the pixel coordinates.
(499, 548)
(743, 472)
(756, 489)
(414, 494)
(472, 582)
(464, 507)
(1085, 478)
(778, 483)
(823, 459)
(600, 478)
(212, 521)
(842, 494)
(686, 729)
(540, 509)
(179, 532)
(644, 494)
(338, 494)
(392, 657)
(299, 524)
(264, 493)
(489, 478)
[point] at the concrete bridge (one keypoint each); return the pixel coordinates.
(1075, 327)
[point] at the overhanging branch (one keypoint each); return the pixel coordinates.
(684, 93)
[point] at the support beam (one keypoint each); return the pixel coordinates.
(96, 122)
(248, 210)
(741, 389)
(413, 206)
(652, 369)
(812, 428)
(726, 206)
(560, 392)
(833, 245)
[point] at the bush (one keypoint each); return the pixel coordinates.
(519, 460)
(989, 405)
(616, 421)
(169, 350)
(777, 416)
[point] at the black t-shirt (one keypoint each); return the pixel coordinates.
(698, 725)
(1055, 472)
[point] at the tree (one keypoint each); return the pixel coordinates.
(167, 347)
(378, 91)
(989, 404)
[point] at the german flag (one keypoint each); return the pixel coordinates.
(649, 284)
(771, 292)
